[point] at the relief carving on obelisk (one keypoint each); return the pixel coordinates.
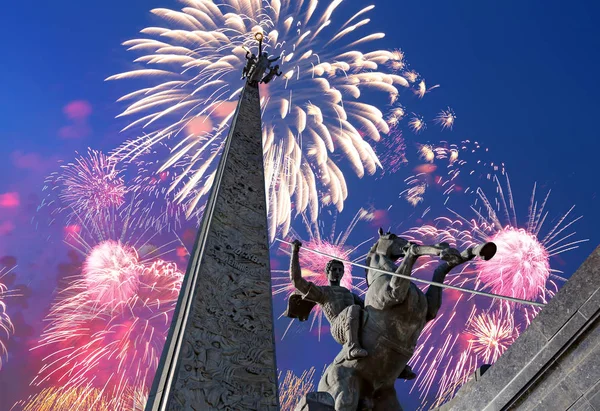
(227, 358)
(220, 354)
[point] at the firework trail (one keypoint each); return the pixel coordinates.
(107, 328)
(292, 388)
(483, 328)
(91, 186)
(80, 399)
(313, 266)
(6, 326)
(442, 166)
(393, 152)
(158, 207)
(315, 116)
(100, 187)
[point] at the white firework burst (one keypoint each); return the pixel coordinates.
(314, 115)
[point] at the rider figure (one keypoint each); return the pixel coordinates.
(341, 307)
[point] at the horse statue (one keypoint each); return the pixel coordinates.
(395, 313)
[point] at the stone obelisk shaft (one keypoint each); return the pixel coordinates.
(220, 353)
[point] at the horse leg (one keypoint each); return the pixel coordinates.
(410, 258)
(343, 385)
(398, 284)
(386, 399)
(434, 293)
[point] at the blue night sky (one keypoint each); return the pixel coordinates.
(520, 76)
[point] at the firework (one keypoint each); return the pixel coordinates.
(414, 194)
(397, 62)
(195, 59)
(158, 206)
(110, 272)
(523, 268)
(426, 153)
(417, 123)
(422, 89)
(492, 333)
(393, 153)
(107, 328)
(292, 388)
(313, 265)
(483, 328)
(444, 164)
(91, 186)
(446, 118)
(6, 327)
(395, 116)
(80, 399)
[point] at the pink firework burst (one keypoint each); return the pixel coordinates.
(92, 185)
(108, 326)
(464, 334)
(520, 267)
(313, 265)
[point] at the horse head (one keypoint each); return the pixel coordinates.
(388, 247)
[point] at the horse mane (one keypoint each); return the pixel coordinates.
(368, 261)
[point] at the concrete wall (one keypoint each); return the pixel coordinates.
(555, 363)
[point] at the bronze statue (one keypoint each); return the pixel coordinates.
(256, 66)
(395, 313)
(251, 61)
(341, 307)
(273, 71)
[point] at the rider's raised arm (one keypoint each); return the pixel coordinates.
(295, 272)
(309, 290)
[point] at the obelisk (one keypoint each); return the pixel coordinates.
(220, 352)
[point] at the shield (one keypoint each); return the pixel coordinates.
(298, 307)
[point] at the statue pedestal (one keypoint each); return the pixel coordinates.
(316, 401)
